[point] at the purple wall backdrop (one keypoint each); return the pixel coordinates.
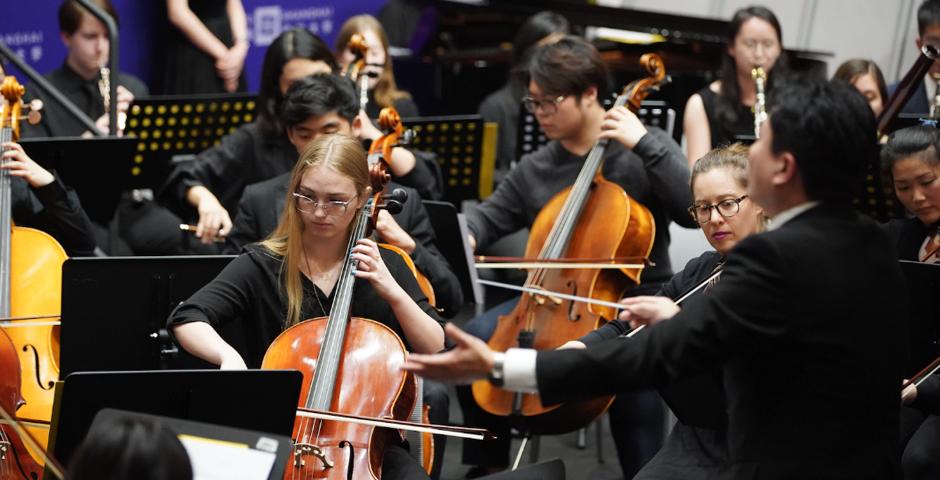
(34, 32)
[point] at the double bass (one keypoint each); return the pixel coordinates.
(351, 366)
(30, 286)
(592, 219)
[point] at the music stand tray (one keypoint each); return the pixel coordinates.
(98, 169)
(260, 400)
(451, 231)
(233, 443)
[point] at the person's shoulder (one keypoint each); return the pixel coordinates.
(271, 185)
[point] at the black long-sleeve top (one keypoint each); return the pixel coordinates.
(697, 400)
(248, 291)
(54, 209)
(655, 173)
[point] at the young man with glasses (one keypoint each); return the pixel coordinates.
(566, 81)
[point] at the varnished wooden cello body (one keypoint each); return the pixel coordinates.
(30, 286)
(15, 461)
(595, 219)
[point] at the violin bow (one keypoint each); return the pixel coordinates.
(494, 262)
(922, 375)
(13, 322)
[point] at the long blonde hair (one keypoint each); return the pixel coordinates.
(732, 157)
(346, 156)
(386, 90)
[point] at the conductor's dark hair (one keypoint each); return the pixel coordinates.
(919, 141)
(71, 13)
(569, 66)
(318, 95)
(126, 447)
(726, 107)
(927, 14)
(290, 44)
(830, 130)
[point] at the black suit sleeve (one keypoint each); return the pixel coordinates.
(425, 177)
(429, 260)
(928, 395)
(744, 312)
(245, 227)
(54, 209)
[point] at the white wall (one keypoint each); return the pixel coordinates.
(881, 30)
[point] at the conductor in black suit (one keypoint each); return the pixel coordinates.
(804, 325)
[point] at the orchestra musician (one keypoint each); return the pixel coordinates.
(721, 113)
(214, 181)
(808, 343)
(697, 446)
(928, 32)
(566, 81)
(911, 159)
(315, 106)
(866, 77)
(290, 276)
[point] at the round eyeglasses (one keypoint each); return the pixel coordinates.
(702, 213)
(548, 107)
(306, 204)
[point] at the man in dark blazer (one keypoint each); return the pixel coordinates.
(805, 323)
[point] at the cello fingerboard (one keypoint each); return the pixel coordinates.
(6, 226)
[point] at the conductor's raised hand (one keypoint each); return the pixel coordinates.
(647, 310)
(471, 359)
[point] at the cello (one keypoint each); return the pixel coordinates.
(592, 219)
(30, 285)
(351, 366)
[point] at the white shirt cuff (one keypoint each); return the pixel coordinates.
(519, 370)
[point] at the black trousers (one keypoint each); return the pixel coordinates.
(399, 464)
(921, 457)
(689, 452)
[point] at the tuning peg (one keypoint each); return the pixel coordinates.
(33, 117)
(407, 137)
(35, 105)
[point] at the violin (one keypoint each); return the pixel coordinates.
(30, 286)
(351, 366)
(594, 219)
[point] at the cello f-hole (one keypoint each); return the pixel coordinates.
(350, 466)
(43, 385)
(574, 317)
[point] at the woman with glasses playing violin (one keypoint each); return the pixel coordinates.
(290, 277)
(721, 113)
(696, 448)
(565, 82)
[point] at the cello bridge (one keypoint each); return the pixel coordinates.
(302, 450)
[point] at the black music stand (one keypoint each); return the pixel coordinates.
(231, 443)
(923, 283)
(451, 231)
(465, 149)
(98, 169)
(653, 113)
(171, 126)
(260, 400)
(126, 301)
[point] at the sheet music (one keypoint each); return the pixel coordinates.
(220, 460)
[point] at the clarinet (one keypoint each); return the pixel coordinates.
(760, 112)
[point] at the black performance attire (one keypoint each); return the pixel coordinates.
(656, 174)
(721, 132)
(56, 121)
(789, 324)
(55, 210)
(247, 291)
(189, 70)
(920, 421)
(405, 106)
(260, 209)
(697, 446)
(503, 107)
(918, 103)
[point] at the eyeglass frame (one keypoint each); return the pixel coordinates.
(328, 207)
(717, 206)
(549, 107)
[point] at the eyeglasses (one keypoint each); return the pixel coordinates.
(306, 204)
(702, 213)
(549, 107)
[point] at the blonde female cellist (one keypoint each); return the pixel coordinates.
(291, 276)
(566, 81)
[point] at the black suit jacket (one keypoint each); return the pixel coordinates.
(260, 210)
(804, 326)
(919, 103)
